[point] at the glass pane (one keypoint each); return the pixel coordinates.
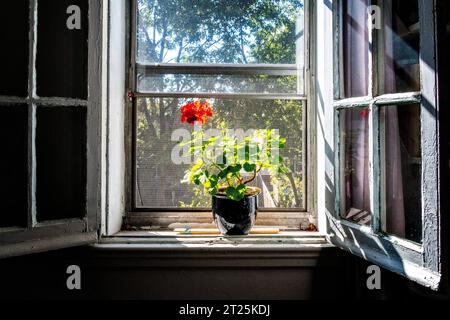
(355, 45)
(62, 48)
(14, 17)
(220, 31)
(216, 83)
(402, 174)
(60, 162)
(158, 177)
(354, 165)
(401, 46)
(14, 166)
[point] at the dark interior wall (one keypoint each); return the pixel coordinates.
(332, 274)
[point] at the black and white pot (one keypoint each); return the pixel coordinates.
(235, 217)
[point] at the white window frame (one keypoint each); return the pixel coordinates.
(163, 217)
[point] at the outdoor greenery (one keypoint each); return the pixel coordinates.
(215, 31)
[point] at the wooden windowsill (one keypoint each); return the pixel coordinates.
(174, 240)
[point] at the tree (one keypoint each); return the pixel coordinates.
(213, 31)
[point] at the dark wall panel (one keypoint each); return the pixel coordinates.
(13, 166)
(14, 29)
(61, 61)
(330, 274)
(60, 162)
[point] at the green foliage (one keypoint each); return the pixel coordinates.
(215, 31)
(222, 160)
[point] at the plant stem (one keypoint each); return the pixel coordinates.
(255, 173)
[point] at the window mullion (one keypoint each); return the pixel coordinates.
(32, 116)
(374, 166)
(220, 95)
(132, 83)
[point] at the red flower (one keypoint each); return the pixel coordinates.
(196, 112)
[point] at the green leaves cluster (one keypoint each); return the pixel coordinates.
(226, 164)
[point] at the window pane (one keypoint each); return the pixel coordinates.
(402, 174)
(14, 166)
(60, 162)
(158, 177)
(223, 31)
(14, 27)
(355, 44)
(401, 46)
(61, 61)
(216, 83)
(354, 165)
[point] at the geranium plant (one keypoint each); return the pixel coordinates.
(226, 161)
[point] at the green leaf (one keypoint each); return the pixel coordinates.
(222, 174)
(233, 194)
(249, 167)
(235, 168)
(214, 179)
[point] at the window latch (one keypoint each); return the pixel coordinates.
(131, 95)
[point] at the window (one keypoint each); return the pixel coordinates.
(385, 114)
(49, 107)
(248, 60)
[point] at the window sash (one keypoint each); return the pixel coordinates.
(132, 206)
(299, 69)
(38, 236)
(419, 262)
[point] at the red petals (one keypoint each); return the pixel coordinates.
(196, 112)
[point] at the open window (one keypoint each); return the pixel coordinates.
(386, 160)
(249, 61)
(49, 124)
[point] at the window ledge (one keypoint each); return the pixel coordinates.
(172, 240)
(168, 249)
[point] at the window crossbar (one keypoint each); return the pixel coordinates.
(383, 100)
(225, 69)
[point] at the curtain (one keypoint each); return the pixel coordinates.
(395, 212)
(356, 76)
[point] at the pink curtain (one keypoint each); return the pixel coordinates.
(356, 77)
(395, 212)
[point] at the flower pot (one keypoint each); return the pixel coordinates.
(235, 217)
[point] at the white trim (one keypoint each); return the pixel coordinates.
(115, 148)
(323, 81)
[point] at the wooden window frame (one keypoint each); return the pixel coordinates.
(419, 262)
(163, 217)
(42, 236)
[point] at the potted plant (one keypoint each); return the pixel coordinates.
(225, 162)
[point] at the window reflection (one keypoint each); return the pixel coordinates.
(354, 140)
(401, 46)
(400, 137)
(355, 42)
